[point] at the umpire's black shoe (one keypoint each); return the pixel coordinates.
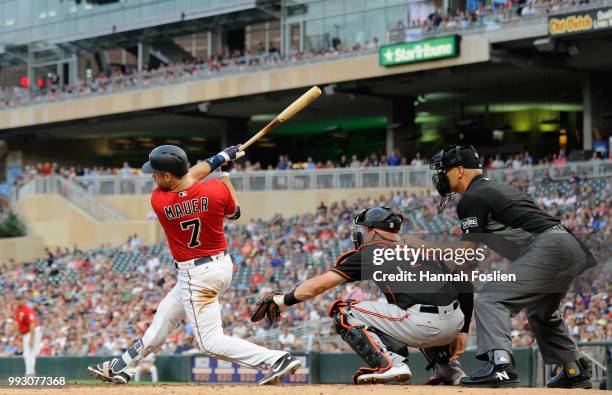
(497, 373)
(573, 375)
(287, 364)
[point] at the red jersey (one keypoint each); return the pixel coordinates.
(193, 219)
(24, 316)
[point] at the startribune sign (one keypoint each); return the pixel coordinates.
(589, 21)
(419, 51)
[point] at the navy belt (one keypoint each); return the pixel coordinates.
(436, 309)
(202, 260)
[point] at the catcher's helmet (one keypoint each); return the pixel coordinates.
(167, 158)
(375, 218)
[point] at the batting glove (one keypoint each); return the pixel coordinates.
(228, 154)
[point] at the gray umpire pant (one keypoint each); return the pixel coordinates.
(544, 274)
(411, 326)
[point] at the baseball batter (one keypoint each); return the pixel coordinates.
(28, 326)
(192, 214)
(423, 315)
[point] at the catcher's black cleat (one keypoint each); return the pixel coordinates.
(498, 373)
(573, 375)
(287, 364)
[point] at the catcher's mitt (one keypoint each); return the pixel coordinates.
(266, 307)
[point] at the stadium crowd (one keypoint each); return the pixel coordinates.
(90, 304)
(477, 14)
(509, 162)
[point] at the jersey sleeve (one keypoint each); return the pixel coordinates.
(348, 265)
(473, 213)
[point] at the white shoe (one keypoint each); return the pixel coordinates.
(399, 373)
(104, 371)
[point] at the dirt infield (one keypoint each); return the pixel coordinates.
(314, 389)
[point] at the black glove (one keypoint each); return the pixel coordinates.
(227, 166)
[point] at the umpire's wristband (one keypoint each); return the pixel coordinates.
(290, 299)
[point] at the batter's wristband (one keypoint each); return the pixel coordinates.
(215, 161)
(290, 298)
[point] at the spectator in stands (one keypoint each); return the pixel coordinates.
(286, 339)
(126, 170)
(417, 160)
(395, 158)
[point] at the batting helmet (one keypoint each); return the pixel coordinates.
(167, 158)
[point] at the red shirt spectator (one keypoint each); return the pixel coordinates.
(256, 279)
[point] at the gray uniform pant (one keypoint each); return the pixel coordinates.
(544, 274)
(410, 326)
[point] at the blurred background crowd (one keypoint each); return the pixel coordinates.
(97, 302)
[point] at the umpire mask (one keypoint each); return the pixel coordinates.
(446, 159)
(375, 218)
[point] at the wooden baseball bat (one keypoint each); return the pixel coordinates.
(287, 113)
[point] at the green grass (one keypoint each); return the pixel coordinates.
(92, 382)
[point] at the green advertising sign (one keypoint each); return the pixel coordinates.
(419, 51)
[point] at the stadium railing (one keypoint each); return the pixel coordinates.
(343, 178)
(70, 191)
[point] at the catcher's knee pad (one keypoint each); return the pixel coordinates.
(436, 355)
(339, 304)
(357, 337)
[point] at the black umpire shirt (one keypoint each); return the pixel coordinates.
(501, 217)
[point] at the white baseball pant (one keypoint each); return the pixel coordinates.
(30, 353)
(196, 297)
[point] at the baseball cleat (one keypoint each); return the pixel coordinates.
(287, 364)
(493, 376)
(574, 375)
(104, 372)
(399, 373)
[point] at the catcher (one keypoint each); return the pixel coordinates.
(420, 314)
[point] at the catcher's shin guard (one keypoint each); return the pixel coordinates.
(360, 341)
(392, 344)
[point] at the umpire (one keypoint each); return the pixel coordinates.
(544, 256)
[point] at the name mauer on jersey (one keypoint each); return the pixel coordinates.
(188, 207)
(193, 219)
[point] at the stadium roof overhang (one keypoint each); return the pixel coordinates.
(164, 32)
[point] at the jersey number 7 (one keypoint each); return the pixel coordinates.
(195, 231)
